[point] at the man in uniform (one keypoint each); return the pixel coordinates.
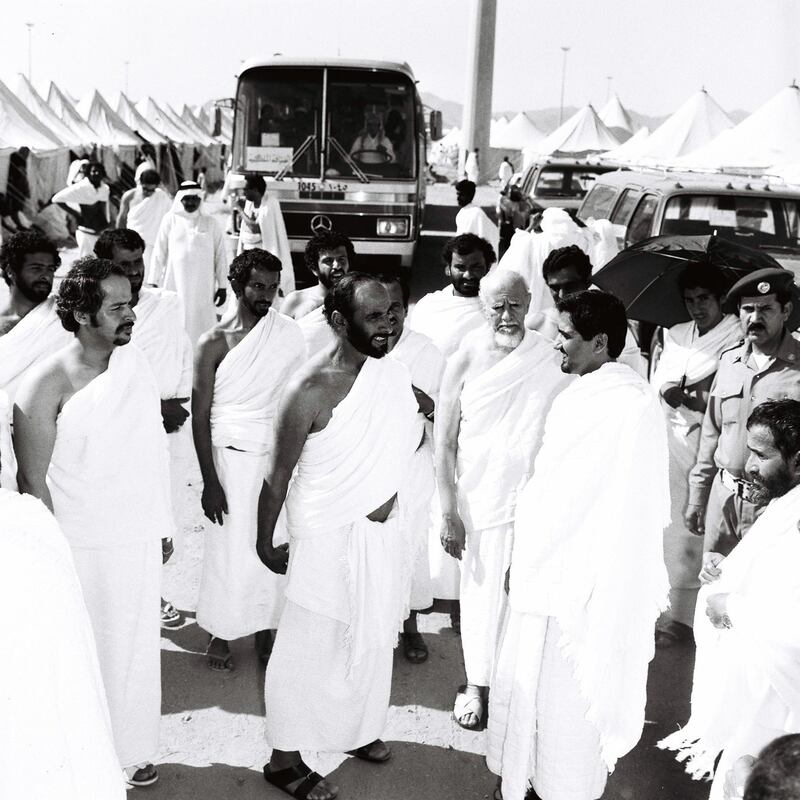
(765, 366)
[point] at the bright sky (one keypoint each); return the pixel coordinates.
(658, 51)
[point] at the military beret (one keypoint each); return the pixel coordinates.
(761, 282)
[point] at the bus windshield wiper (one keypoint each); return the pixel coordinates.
(357, 171)
(309, 140)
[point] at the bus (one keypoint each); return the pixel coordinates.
(341, 145)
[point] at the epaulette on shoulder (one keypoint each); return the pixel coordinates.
(732, 347)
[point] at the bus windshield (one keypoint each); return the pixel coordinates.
(361, 125)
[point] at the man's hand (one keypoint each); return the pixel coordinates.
(424, 402)
(695, 520)
(507, 581)
(173, 414)
(673, 395)
(453, 535)
(736, 778)
(276, 559)
(213, 501)
(711, 571)
(220, 296)
(717, 610)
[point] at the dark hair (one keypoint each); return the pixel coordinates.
(149, 176)
(324, 242)
(19, 245)
(96, 165)
(247, 261)
(124, 238)
(467, 188)
(782, 418)
(399, 275)
(565, 257)
(594, 312)
(702, 276)
(467, 243)
(776, 773)
(81, 290)
(256, 182)
(342, 297)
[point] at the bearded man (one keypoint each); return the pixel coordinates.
(496, 392)
(329, 678)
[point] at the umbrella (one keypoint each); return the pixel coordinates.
(645, 275)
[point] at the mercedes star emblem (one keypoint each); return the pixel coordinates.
(321, 224)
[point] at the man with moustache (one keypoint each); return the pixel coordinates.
(329, 678)
(765, 366)
(745, 691)
(496, 392)
(329, 256)
(587, 578)
(242, 367)
(87, 201)
(142, 208)
(159, 333)
(446, 317)
(91, 446)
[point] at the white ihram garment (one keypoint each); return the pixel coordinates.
(145, 215)
(238, 594)
(61, 745)
(109, 482)
(473, 219)
(160, 334)
(189, 258)
(271, 237)
(8, 461)
(445, 319)
(426, 366)
(502, 418)
(745, 691)
(329, 677)
(686, 360)
(316, 331)
(592, 562)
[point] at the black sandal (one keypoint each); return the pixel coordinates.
(672, 634)
(413, 646)
(365, 753)
(283, 777)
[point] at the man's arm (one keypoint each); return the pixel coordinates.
(220, 267)
(211, 350)
(158, 262)
(445, 431)
(299, 407)
(36, 409)
(291, 303)
(124, 206)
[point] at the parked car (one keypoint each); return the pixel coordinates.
(751, 211)
(561, 182)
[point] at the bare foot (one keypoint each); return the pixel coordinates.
(219, 655)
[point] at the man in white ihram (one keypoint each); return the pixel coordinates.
(189, 258)
(142, 209)
(496, 392)
(348, 423)
(587, 578)
(471, 218)
(91, 445)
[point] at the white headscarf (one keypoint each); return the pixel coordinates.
(187, 189)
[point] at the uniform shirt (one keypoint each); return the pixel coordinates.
(738, 388)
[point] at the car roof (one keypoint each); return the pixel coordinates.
(552, 161)
(669, 182)
(333, 61)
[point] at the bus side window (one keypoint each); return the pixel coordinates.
(641, 222)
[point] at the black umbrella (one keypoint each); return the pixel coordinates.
(645, 275)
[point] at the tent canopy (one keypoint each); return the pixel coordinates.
(19, 126)
(35, 103)
(584, 132)
(518, 134)
(68, 114)
(629, 150)
(133, 119)
(162, 122)
(615, 115)
(111, 129)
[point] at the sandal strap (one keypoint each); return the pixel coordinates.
(283, 777)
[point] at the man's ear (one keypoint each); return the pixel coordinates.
(600, 342)
(788, 308)
(338, 320)
(81, 317)
(795, 462)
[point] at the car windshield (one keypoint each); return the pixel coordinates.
(757, 221)
(564, 181)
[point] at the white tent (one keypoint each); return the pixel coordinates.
(68, 114)
(111, 129)
(584, 132)
(204, 119)
(162, 122)
(518, 134)
(629, 151)
(188, 117)
(770, 135)
(36, 104)
(20, 127)
(130, 115)
(616, 117)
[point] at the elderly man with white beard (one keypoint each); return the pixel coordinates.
(496, 392)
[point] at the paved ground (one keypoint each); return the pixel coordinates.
(213, 744)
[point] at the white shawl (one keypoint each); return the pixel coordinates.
(109, 472)
(446, 318)
(145, 218)
(588, 542)
(737, 669)
(316, 331)
(473, 219)
(502, 418)
(249, 383)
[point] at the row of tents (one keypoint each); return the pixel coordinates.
(55, 129)
(699, 135)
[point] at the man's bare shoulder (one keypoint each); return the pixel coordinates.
(51, 380)
(301, 302)
(8, 321)
(213, 344)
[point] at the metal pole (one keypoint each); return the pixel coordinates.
(127, 66)
(29, 26)
(609, 78)
(563, 78)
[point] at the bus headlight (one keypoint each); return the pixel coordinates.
(392, 226)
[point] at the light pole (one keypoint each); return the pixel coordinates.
(609, 78)
(563, 77)
(127, 70)
(29, 26)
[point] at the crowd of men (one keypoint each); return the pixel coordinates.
(498, 448)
